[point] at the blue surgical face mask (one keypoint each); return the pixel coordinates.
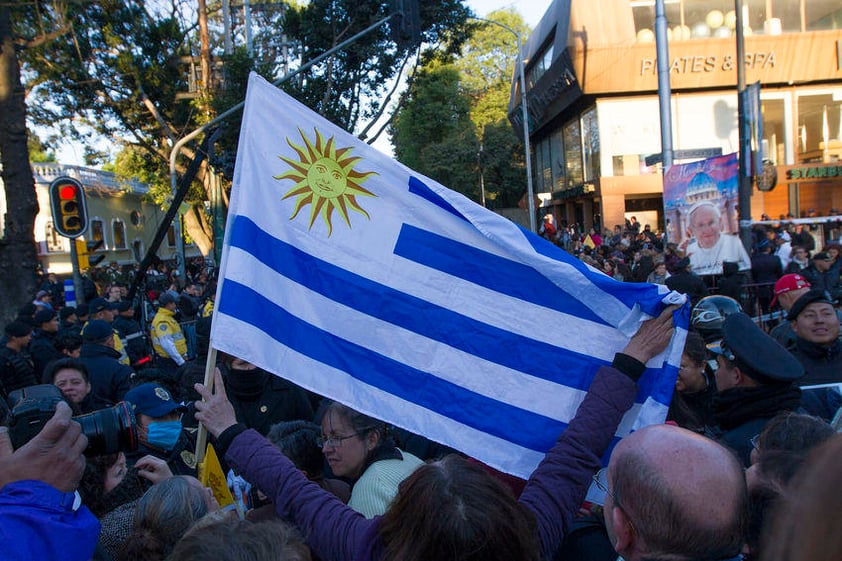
(164, 434)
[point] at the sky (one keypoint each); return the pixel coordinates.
(530, 10)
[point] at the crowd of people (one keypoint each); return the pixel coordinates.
(741, 468)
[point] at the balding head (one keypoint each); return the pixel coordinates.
(683, 494)
(787, 299)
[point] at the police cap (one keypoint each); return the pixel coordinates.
(811, 297)
(746, 344)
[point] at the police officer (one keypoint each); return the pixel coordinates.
(102, 309)
(131, 335)
(755, 380)
(167, 338)
(159, 429)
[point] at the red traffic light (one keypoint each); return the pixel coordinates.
(67, 192)
(67, 199)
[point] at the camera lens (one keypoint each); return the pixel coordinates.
(109, 430)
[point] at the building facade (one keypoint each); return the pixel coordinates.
(594, 118)
(120, 214)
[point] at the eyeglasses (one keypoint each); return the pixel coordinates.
(600, 479)
(332, 441)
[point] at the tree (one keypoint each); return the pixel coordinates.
(452, 123)
(18, 257)
(118, 69)
(487, 66)
(433, 133)
(38, 151)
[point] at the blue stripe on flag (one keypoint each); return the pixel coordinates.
(389, 375)
(630, 293)
(409, 312)
(416, 187)
(488, 270)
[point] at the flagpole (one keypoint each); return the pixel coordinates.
(202, 434)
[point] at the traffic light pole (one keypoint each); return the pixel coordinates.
(77, 276)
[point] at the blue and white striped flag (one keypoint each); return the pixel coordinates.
(352, 276)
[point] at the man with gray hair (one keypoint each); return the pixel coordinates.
(673, 494)
(708, 247)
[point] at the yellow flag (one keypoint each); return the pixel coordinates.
(210, 474)
(589, 242)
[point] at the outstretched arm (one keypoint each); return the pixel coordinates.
(557, 487)
(332, 529)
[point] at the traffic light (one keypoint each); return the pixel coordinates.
(67, 199)
(83, 251)
(405, 25)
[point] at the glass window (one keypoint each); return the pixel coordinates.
(98, 231)
(118, 231)
(542, 61)
(573, 153)
(774, 142)
(546, 167)
(785, 16)
(644, 21)
(819, 135)
(137, 250)
(709, 18)
(590, 142)
(557, 157)
(171, 236)
(53, 241)
(823, 14)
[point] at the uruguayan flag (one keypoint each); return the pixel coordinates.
(352, 276)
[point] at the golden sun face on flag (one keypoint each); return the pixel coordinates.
(325, 179)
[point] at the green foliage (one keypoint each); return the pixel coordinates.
(348, 86)
(456, 105)
(433, 133)
(38, 151)
(134, 163)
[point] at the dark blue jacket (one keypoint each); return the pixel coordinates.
(109, 377)
(43, 351)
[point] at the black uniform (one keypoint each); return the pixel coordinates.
(16, 370)
(132, 337)
(742, 412)
(43, 351)
(261, 399)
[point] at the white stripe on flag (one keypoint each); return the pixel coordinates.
(424, 309)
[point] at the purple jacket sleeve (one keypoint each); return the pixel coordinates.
(557, 487)
(37, 521)
(331, 528)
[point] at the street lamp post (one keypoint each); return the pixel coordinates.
(744, 185)
(530, 193)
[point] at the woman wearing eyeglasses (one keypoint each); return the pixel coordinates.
(450, 509)
(358, 448)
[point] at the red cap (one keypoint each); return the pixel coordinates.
(787, 283)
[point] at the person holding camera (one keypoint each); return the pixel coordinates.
(40, 516)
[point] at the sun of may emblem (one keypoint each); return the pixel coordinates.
(325, 179)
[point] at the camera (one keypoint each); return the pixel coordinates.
(109, 430)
